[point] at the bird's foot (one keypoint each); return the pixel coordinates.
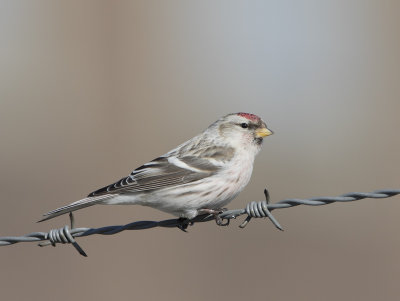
(183, 223)
(215, 213)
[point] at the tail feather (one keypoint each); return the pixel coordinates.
(86, 202)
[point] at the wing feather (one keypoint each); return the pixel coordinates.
(162, 173)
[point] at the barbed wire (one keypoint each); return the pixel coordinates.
(254, 209)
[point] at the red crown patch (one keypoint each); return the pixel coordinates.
(249, 116)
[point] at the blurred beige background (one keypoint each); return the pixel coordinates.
(89, 90)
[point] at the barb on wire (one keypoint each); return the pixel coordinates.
(253, 210)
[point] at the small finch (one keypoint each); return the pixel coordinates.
(201, 175)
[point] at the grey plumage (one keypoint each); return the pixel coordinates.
(86, 202)
(160, 173)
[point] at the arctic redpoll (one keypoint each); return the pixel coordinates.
(201, 175)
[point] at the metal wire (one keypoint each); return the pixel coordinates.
(259, 209)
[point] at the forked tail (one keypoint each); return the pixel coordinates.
(86, 202)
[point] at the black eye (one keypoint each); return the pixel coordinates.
(244, 125)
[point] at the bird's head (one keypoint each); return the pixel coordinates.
(243, 130)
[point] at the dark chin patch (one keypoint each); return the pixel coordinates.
(258, 141)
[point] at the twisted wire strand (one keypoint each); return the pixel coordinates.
(260, 209)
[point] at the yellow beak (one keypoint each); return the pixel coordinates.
(263, 132)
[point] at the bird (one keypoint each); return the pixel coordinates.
(200, 176)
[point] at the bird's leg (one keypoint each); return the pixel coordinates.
(215, 213)
(183, 223)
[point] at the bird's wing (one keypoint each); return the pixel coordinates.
(163, 172)
(176, 168)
